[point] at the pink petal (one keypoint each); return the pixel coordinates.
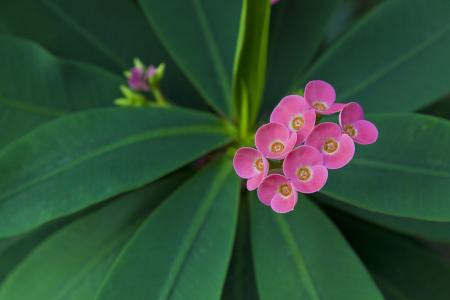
(290, 107)
(254, 182)
(318, 179)
(351, 113)
(135, 80)
(269, 187)
(151, 70)
(267, 134)
(302, 156)
(273, 1)
(336, 107)
(323, 132)
(283, 205)
(244, 162)
(320, 91)
(366, 132)
(310, 120)
(342, 156)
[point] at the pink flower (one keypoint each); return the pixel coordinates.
(138, 79)
(337, 148)
(274, 140)
(320, 95)
(274, 1)
(295, 113)
(304, 168)
(278, 192)
(250, 164)
(352, 122)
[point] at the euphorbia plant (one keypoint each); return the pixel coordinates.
(122, 187)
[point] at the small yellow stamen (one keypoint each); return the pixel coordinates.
(350, 130)
(285, 190)
(304, 173)
(319, 106)
(277, 147)
(330, 146)
(259, 165)
(297, 123)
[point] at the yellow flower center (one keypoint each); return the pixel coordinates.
(304, 173)
(285, 189)
(350, 130)
(319, 106)
(297, 123)
(277, 147)
(330, 146)
(259, 165)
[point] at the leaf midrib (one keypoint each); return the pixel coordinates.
(218, 61)
(133, 139)
(64, 17)
(36, 109)
(297, 257)
(192, 235)
(381, 72)
(392, 166)
(396, 62)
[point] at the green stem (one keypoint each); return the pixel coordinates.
(159, 97)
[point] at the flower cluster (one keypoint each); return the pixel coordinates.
(304, 149)
(141, 80)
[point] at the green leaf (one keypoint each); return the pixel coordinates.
(78, 160)
(202, 42)
(394, 59)
(36, 87)
(437, 231)
(440, 109)
(183, 249)
(106, 35)
(403, 269)
(405, 173)
(302, 255)
(296, 31)
(250, 61)
(13, 250)
(240, 283)
(77, 258)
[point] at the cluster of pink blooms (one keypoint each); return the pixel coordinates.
(139, 76)
(307, 150)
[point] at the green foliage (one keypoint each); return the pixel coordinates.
(203, 46)
(395, 59)
(291, 262)
(84, 251)
(183, 244)
(406, 173)
(80, 179)
(36, 87)
(98, 154)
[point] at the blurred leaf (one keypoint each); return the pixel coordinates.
(202, 42)
(14, 249)
(109, 33)
(36, 87)
(437, 231)
(78, 160)
(402, 268)
(297, 28)
(250, 62)
(394, 59)
(302, 255)
(240, 283)
(183, 249)
(405, 173)
(77, 258)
